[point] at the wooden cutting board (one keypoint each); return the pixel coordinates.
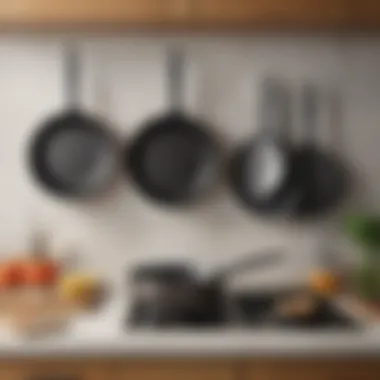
(34, 312)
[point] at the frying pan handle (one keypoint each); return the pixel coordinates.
(175, 63)
(310, 112)
(275, 108)
(336, 120)
(249, 262)
(72, 75)
(102, 88)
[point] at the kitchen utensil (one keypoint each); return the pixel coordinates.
(260, 169)
(174, 159)
(173, 294)
(161, 293)
(323, 179)
(212, 300)
(73, 154)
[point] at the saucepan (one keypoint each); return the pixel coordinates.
(177, 294)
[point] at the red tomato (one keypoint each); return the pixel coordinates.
(40, 273)
(11, 274)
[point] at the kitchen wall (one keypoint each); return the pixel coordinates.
(125, 80)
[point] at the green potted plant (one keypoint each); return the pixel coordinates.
(364, 230)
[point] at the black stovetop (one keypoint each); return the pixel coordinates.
(252, 310)
(256, 310)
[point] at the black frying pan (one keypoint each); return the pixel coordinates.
(260, 169)
(73, 154)
(174, 159)
(323, 179)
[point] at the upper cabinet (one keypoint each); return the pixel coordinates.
(272, 14)
(194, 14)
(365, 14)
(89, 12)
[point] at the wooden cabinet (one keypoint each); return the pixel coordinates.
(312, 369)
(366, 13)
(192, 369)
(193, 14)
(273, 13)
(54, 370)
(54, 12)
(177, 370)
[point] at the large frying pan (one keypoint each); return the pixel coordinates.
(260, 170)
(323, 179)
(174, 160)
(73, 154)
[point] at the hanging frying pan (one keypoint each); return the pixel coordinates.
(259, 170)
(323, 178)
(174, 159)
(73, 154)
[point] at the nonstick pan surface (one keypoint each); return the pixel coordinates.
(174, 159)
(73, 154)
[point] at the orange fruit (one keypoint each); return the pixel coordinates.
(323, 282)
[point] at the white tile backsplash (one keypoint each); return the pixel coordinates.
(124, 79)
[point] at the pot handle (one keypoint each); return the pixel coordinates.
(249, 262)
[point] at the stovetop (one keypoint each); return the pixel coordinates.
(249, 311)
(256, 311)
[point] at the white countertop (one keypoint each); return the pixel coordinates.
(105, 334)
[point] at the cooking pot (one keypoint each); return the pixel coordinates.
(170, 294)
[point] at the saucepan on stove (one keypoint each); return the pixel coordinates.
(175, 294)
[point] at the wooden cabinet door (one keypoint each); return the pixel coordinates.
(366, 13)
(194, 14)
(273, 13)
(176, 370)
(55, 370)
(310, 369)
(61, 12)
(284, 370)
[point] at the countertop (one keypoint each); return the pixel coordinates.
(105, 333)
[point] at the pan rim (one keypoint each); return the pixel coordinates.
(162, 125)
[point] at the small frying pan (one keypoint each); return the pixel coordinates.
(73, 154)
(323, 180)
(174, 159)
(259, 170)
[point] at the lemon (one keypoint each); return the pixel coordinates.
(79, 288)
